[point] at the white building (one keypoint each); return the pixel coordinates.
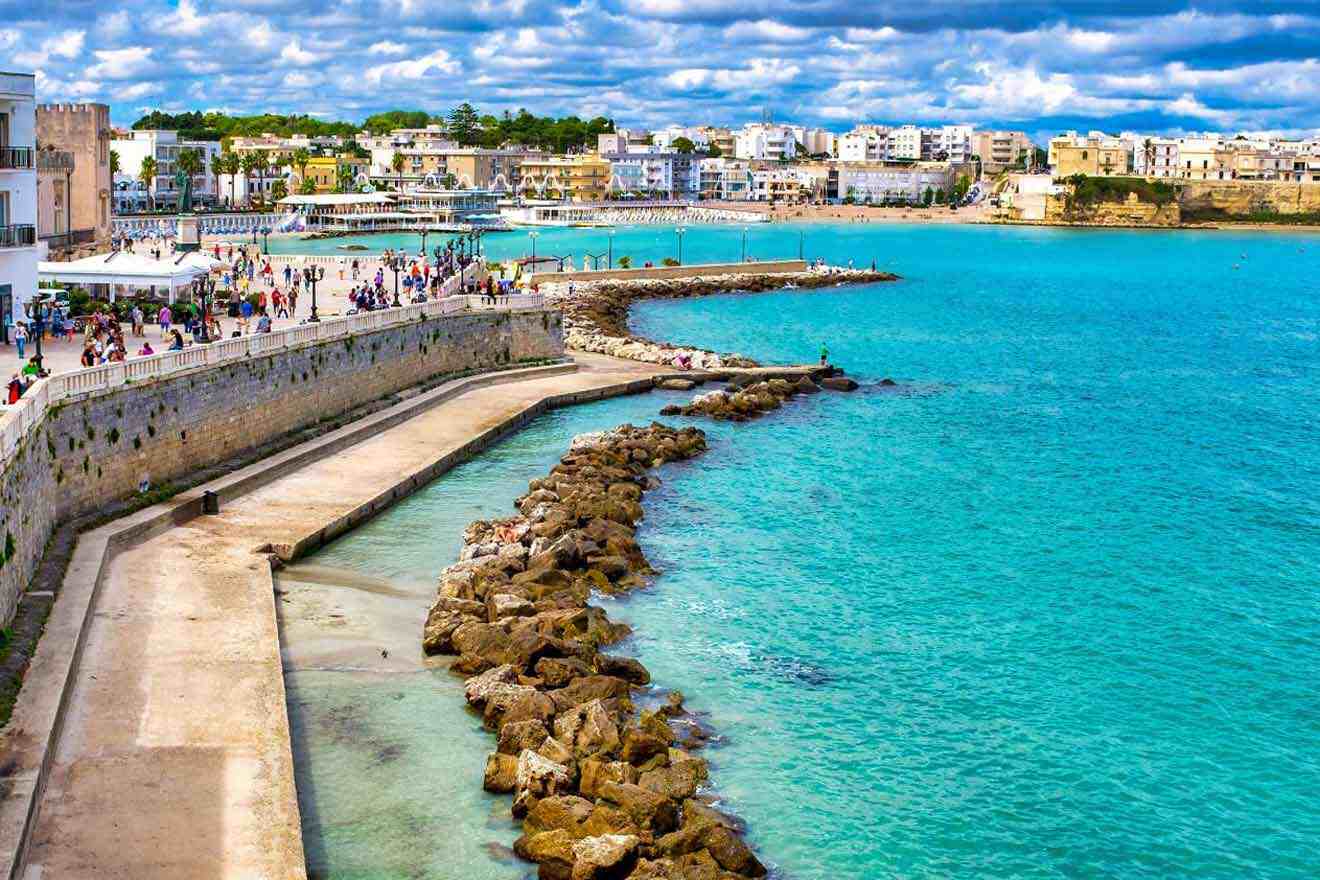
(676, 175)
(622, 140)
(725, 179)
(18, 199)
(953, 143)
(664, 138)
(766, 142)
(1156, 157)
(165, 147)
(881, 184)
(816, 141)
(864, 144)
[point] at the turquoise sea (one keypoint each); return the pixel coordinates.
(1051, 609)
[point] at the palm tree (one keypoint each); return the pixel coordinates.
(114, 164)
(301, 159)
(275, 165)
(396, 162)
(190, 163)
(278, 190)
(147, 174)
(248, 163)
(1148, 153)
(218, 167)
(231, 168)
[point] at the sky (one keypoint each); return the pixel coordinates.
(1145, 65)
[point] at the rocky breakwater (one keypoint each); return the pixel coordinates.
(746, 398)
(596, 312)
(603, 790)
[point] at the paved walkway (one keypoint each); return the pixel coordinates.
(175, 759)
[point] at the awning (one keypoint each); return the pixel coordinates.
(123, 269)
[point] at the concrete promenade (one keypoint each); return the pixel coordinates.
(173, 758)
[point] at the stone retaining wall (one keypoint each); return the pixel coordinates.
(100, 447)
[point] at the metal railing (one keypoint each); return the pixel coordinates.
(16, 158)
(18, 419)
(69, 239)
(21, 235)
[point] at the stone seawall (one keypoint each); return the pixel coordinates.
(704, 270)
(596, 313)
(96, 449)
(1243, 198)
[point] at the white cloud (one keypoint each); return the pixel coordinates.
(139, 90)
(116, 24)
(386, 47)
(766, 31)
(439, 61)
(126, 63)
(67, 44)
(293, 53)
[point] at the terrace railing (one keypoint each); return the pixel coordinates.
(18, 419)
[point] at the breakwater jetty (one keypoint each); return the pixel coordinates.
(596, 308)
(603, 789)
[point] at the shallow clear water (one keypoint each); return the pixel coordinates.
(1050, 611)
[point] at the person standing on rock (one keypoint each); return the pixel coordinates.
(824, 354)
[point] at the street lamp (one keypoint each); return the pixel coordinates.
(679, 231)
(610, 263)
(396, 264)
(38, 311)
(424, 234)
(744, 242)
(533, 235)
(265, 240)
(802, 235)
(313, 274)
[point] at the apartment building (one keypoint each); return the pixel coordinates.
(864, 144)
(622, 140)
(471, 167)
(722, 139)
(886, 183)
(1155, 157)
(79, 136)
(999, 150)
(579, 178)
(277, 149)
(1093, 156)
(165, 147)
(663, 139)
(764, 141)
(656, 172)
(18, 200)
(724, 179)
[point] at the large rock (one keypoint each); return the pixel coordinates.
(551, 850)
(588, 729)
(584, 690)
(595, 773)
(838, 383)
(505, 605)
(559, 812)
(484, 640)
(676, 384)
(516, 736)
(731, 852)
(558, 672)
(645, 809)
(501, 774)
(677, 781)
(627, 668)
(437, 637)
(537, 778)
(606, 857)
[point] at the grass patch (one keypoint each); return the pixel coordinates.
(1093, 190)
(1274, 218)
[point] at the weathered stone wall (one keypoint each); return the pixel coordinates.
(1241, 198)
(1129, 212)
(92, 450)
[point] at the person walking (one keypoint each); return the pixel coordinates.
(138, 319)
(164, 318)
(20, 338)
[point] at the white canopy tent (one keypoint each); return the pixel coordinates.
(124, 269)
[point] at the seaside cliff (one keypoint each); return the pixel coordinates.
(604, 790)
(596, 312)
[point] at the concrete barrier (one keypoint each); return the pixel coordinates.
(697, 270)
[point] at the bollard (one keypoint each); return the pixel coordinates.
(210, 502)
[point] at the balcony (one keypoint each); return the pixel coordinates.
(61, 240)
(18, 236)
(16, 158)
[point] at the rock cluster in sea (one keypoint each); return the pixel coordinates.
(740, 403)
(596, 313)
(603, 790)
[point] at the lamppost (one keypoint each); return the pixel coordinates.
(532, 235)
(38, 311)
(679, 231)
(203, 290)
(424, 234)
(396, 264)
(744, 242)
(801, 243)
(313, 274)
(610, 263)
(265, 240)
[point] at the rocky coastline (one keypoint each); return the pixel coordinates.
(596, 312)
(603, 789)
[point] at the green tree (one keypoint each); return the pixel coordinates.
(464, 126)
(278, 190)
(927, 197)
(190, 163)
(114, 164)
(682, 145)
(939, 196)
(248, 163)
(231, 166)
(300, 160)
(625, 262)
(383, 123)
(960, 188)
(396, 162)
(714, 151)
(217, 171)
(147, 175)
(306, 187)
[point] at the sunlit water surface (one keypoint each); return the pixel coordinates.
(1048, 610)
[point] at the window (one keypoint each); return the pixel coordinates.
(1083, 154)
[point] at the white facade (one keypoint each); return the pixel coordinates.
(664, 138)
(165, 147)
(18, 199)
(1156, 157)
(766, 142)
(953, 143)
(863, 146)
(725, 179)
(672, 174)
(892, 184)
